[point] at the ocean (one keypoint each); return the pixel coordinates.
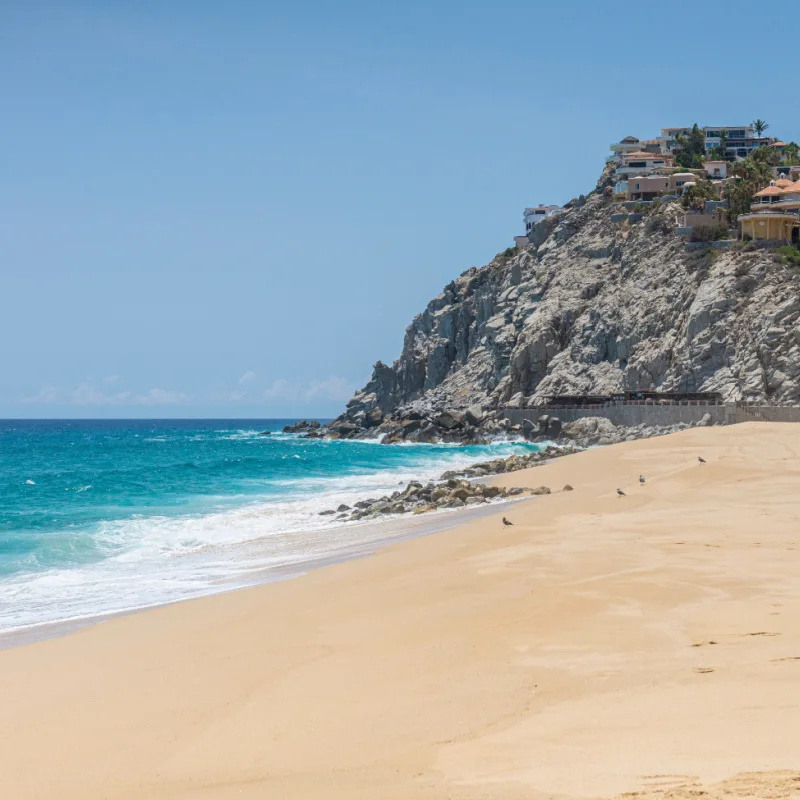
(104, 516)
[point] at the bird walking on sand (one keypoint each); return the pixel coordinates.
(620, 493)
(641, 479)
(506, 522)
(701, 459)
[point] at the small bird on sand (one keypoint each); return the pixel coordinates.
(506, 522)
(620, 493)
(701, 459)
(641, 479)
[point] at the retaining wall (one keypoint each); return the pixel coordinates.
(630, 414)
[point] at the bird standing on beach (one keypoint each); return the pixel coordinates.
(701, 459)
(641, 479)
(620, 493)
(506, 522)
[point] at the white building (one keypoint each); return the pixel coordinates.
(533, 215)
(716, 169)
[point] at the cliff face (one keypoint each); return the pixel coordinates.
(594, 307)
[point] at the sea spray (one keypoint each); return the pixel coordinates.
(102, 516)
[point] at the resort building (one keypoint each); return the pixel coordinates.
(630, 144)
(716, 169)
(643, 163)
(774, 213)
(533, 215)
(669, 138)
(741, 140)
(648, 187)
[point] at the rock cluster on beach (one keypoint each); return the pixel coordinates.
(590, 305)
(452, 490)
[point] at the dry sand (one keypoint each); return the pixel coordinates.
(602, 645)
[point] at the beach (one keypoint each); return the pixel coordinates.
(602, 645)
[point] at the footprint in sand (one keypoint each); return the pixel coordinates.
(703, 670)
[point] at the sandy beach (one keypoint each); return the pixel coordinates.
(648, 644)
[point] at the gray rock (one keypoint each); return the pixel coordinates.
(592, 308)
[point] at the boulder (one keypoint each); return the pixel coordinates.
(344, 428)
(301, 426)
(474, 415)
(265, 433)
(567, 488)
(373, 418)
(540, 490)
(449, 420)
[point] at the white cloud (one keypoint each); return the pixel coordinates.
(333, 388)
(111, 379)
(235, 397)
(159, 397)
(281, 389)
(88, 395)
(46, 395)
(247, 377)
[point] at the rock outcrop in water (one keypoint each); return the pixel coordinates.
(452, 490)
(590, 306)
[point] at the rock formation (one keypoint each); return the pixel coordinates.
(590, 306)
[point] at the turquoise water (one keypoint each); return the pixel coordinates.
(100, 516)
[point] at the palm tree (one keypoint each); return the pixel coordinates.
(760, 126)
(723, 143)
(791, 153)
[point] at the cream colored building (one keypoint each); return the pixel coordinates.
(774, 213)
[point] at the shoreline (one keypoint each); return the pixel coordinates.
(273, 553)
(599, 646)
(380, 533)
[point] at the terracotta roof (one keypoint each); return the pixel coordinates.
(770, 190)
(782, 183)
(629, 140)
(778, 144)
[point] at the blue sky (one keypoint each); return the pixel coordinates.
(235, 209)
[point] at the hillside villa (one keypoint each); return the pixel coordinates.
(646, 171)
(774, 213)
(641, 162)
(533, 215)
(648, 187)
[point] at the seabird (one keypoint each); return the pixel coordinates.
(620, 493)
(641, 479)
(701, 459)
(506, 522)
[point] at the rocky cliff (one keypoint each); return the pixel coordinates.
(590, 306)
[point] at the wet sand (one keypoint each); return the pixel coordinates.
(600, 646)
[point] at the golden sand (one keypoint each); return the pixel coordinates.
(601, 645)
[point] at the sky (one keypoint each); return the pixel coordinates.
(235, 209)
